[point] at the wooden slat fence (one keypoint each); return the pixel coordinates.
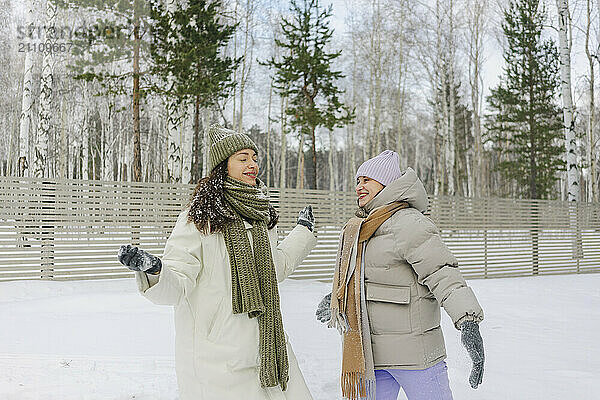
(72, 229)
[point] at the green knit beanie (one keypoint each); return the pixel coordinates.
(225, 142)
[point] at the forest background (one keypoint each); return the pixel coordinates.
(124, 90)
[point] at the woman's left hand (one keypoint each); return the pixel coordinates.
(306, 218)
(139, 260)
(471, 339)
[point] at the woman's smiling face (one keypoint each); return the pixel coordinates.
(243, 166)
(366, 189)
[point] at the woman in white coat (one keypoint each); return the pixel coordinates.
(220, 270)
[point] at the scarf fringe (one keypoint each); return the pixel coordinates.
(355, 386)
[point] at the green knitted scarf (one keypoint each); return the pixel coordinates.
(253, 279)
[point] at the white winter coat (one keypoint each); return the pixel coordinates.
(216, 351)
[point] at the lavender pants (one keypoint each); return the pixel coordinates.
(426, 384)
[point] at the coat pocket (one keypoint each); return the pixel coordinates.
(214, 326)
(389, 308)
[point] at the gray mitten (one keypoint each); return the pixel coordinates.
(471, 339)
(139, 260)
(323, 309)
(306, 218)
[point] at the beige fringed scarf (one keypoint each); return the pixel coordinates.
(348, 306)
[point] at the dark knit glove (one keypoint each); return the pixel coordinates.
(323, 309)
(139, 260)
(306, 218)
(471, 339)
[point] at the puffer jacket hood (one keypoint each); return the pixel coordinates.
(407, 188)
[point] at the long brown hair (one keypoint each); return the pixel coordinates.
(208, 209)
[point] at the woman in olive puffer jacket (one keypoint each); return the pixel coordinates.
(392, 275)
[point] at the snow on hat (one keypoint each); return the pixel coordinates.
(225, 142)
(384, 168)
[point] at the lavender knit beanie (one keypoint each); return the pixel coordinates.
(384, 168)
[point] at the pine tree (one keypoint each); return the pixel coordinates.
(525, 125)
(187, 46)
(305, 77)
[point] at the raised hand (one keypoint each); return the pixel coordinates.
(306, 218)
(139, 260)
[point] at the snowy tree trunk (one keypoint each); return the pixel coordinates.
(376, 71)
(268, 155)
(153, 152)
(246, 61)
(85, 147)
(400, 99)
(330, 161)
(283, 150)
(205, 143)
(417, 164)
(108, 142)
(350, 127)
(300, 167)
(26, 106)
(451, 136)
(368, 143)
(187, 140)
(591, 141)
(173, 135)
(439, 115)
(400, 129)
(476, 11)
(234, 94)
(573, 192)
(126, 145)
(63, 153)
(469, 188)
(10, 152)
(445, 131)
(45, 102)
(136, 168)
(174, 145)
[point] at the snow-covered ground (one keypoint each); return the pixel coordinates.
(102, 340)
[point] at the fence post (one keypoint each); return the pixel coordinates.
(48, 227)
(535, 238)
(484, 206)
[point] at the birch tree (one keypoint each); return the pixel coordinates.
(45, 99)
(108, 140)
(283, 150)
(476, 27)
(268, 155)
(573, 191)
(247, 59)
(449, 104)
(26, 119)
(402, 58)
(592, 187)
(10, 86)
(376, 69)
